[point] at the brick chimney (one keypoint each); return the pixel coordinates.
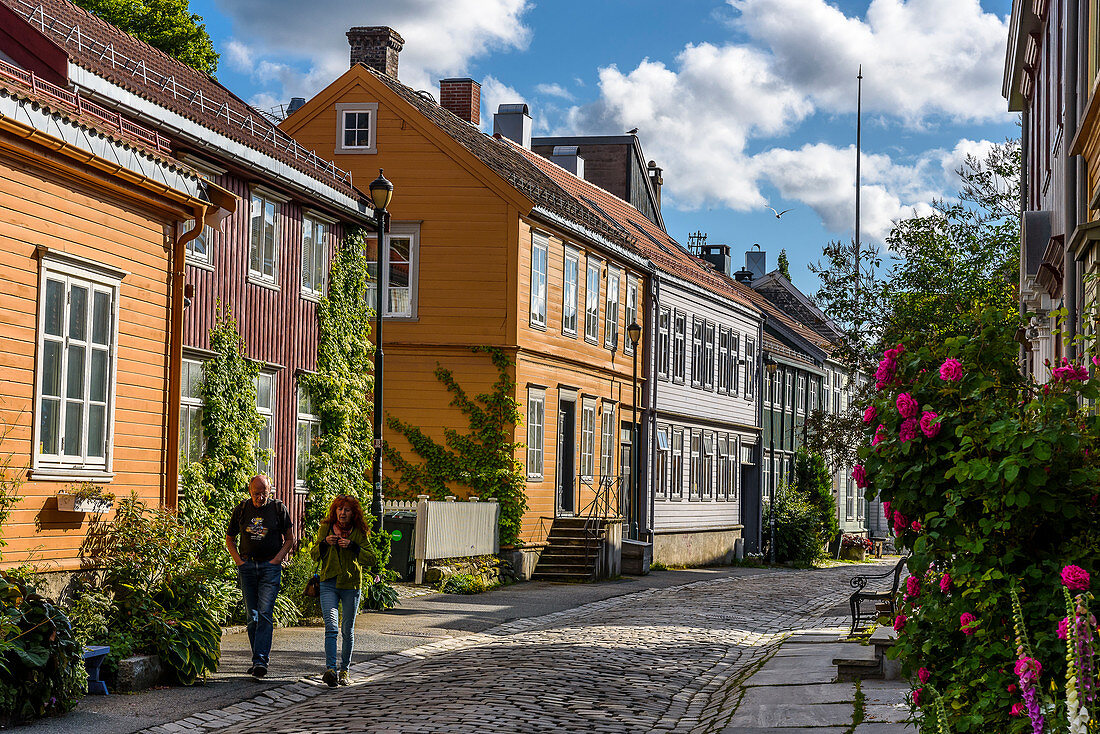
(462, 97)
(377, 47)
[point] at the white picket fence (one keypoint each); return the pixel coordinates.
(451, 529)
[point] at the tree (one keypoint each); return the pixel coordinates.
(164, 24)
(784, 265)
(813, 481)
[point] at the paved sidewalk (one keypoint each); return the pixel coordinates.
(793, 693)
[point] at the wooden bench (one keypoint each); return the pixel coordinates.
(884, 597)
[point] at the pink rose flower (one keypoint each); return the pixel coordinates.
(894, 353)
(930, 424)
(1075, 578)
(915, 526)
(1063, 628)
(869, 414)
(884, 375)
(1011, 688)
(880, 435)
(908, 430)
(1017, 709)
(907, 406)
(924, 675)
(899, 622)
(886, 509)
(951, 370)
(916, 696)
(945, 583)
(966, 619)
(912, 591)
(860, 475)
(900, 522)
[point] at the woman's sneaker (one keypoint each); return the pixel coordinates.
(345, 678)
(329, 678)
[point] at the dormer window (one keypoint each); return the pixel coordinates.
(357, 128)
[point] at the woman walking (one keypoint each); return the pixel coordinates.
(341, 552)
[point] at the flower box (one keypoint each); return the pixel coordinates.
(853, 553)
(70, 503)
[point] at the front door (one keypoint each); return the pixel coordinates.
(628, 499)
(567, 452)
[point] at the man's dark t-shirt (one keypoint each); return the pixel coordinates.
(261, 528)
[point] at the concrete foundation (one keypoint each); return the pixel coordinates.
(697, 548)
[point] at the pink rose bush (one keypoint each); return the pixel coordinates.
(912, 591)
(930, 424)
(899, 622)
(859, 474)
(951, 370)
(945, 583)
(907, 406)
(869, 414)
(908, 429)
(966, 623)
(1075, 578)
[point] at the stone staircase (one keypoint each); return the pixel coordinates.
(569, 555)
(869, 662)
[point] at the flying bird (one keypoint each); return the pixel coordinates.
(778, 214)
(633, 131)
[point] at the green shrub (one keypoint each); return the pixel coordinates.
(378, 595)
(796, 529)
(465, 583)
(813, 482)
(41, 660)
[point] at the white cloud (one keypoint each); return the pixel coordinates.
(440, 38)
(553, 90)
(493, 94)
(925, 62)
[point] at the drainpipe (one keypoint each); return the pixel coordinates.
(1069, 279)
(758, 393)
(651, 409)
(176, 261)
(1025, 121)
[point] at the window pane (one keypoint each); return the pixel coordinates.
(74, 428)
(49, 427)
(263, 391)
(55, 298)
(101, 318)
(257, 230)
(98, 377)
(97, 428)
(78, 313)
(302, 464)
(197, 441)
(307, 254)
(51, 368)
(75, 380)
(269, 240)
(305, 405)
(194, 380)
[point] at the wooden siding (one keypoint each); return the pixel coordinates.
(87, 217)
(1045, 140)
(279, 325)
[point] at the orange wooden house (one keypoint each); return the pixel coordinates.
(91, 301)
(486, 249)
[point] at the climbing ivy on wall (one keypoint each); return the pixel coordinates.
(211, 487)
(483, 460)
(341, 391)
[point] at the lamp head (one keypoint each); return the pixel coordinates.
(634, 331)
(770, 364)
(381, 191)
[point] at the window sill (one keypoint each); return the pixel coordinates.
(199, 265)
(569, 334)
(356, 151)
(533, 478)
(592, 340)
(537, 326)
(269, 285)
(70, 475)
(310, 296)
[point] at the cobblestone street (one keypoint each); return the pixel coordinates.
(658, 660)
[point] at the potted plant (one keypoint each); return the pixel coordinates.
(854, 547)
(85, 497)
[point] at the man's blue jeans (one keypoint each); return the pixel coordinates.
(346, 603)
(260, 586)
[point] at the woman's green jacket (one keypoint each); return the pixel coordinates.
(343, 564)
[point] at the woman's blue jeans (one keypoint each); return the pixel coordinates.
(338, 607)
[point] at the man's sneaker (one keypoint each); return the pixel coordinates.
(330, 678)
(345, 678)
(259, 671)
(250, 669)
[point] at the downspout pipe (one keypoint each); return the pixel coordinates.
(1025, 122)
(651, 409)
(1070, 83)
(758, 393)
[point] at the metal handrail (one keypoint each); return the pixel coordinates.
(604, 505)
(72, 33)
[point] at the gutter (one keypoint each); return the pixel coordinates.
(599, 240)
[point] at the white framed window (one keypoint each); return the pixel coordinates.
(788, 387)
(725, 466)
(826, 390)
(723, 360)
(306, 437)
(679, 347)
(315, 242)
(766, 471)
(400, 268)
(611, 311)
(76, 365)
(664, 326)
(735, 363)
(735, 466)
(197, 251)
(801, 396)
(676, 483)
(592, 301)
(540, 250)
(695, 480)
(707, 474)
(660, 471)
(265, 406)
(357, 125)
(836, 393)
(850, 499)
(708, 355)
(630, 314)
(750, 367)
(588, 437)
(697, 352)
(192, 440)
(536, 422)
(263, 252)
(607, 440)
(570, 297)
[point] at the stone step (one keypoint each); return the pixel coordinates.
(860, 664)
(572, 577)
(555, 564)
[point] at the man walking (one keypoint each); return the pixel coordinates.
(266, 537)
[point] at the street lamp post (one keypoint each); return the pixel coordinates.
(634, 331)
(381, 191)
(771, 365)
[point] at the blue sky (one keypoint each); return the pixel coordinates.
(744, 103)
